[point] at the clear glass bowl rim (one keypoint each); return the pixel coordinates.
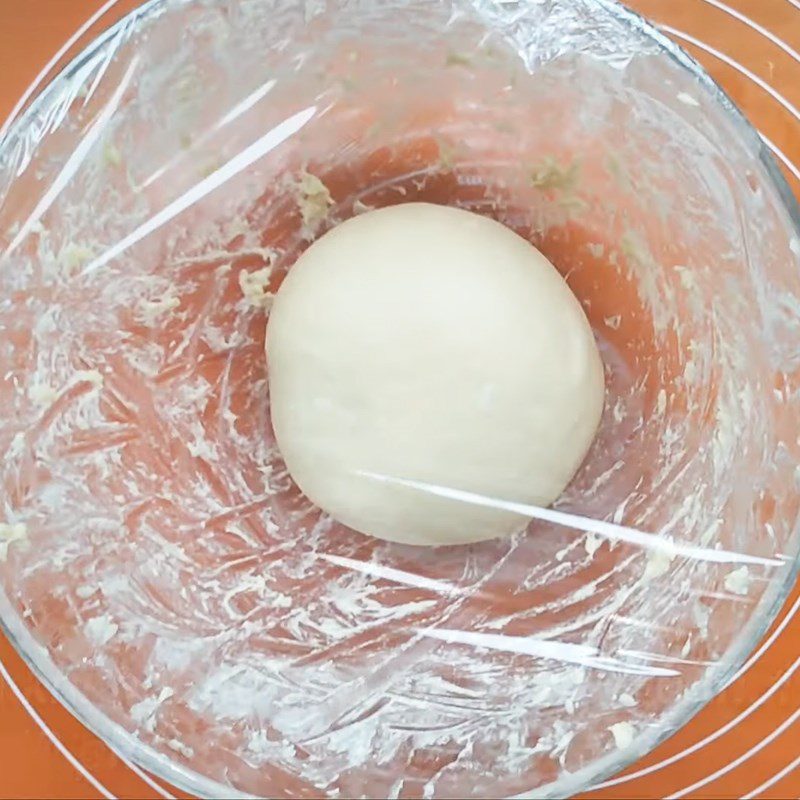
(131, 749)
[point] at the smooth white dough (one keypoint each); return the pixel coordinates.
(429, 344)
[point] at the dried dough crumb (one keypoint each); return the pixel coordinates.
(738, 581)
(592, 544)
(181, 748)
(254, 287)
(623, 733)
(11, 534)
(314, 200)
(550, 175)
(73, 257)
(42, 394)
(658, 560)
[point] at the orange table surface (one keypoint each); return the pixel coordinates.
(745, 743)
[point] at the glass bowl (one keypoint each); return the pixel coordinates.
(159, 569)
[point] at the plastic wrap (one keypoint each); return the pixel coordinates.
(160, 569)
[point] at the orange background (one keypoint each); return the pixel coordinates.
(759, 755)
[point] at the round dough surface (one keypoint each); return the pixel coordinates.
(425, 345)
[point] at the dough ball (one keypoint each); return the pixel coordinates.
(428, 344)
